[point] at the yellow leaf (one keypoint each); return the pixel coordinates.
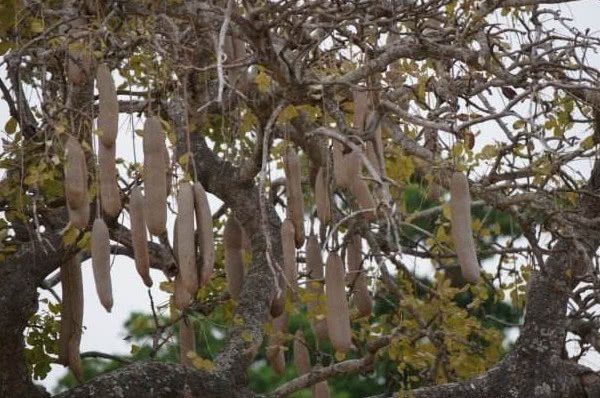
(446, 211)
(287, 114)
(84, 242)
(168, 287)
(572, 197)
(173, 311)
(246, 336)
(70, 236)
(37, 26)
(184, 159)
(201, 363)
(31, 179)
(263, 81)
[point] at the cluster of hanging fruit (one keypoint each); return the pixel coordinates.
(148, 212)
(326, 285)
(328, 307)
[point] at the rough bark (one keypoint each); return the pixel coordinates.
(159, 380)
(20, 274)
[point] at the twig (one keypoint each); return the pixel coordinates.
(348, 367)
(220, 45)
(156, 323)
(261, 192)
(437, 209)
(98, 354)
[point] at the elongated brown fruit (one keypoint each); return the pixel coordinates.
(288, 267)
(375, 151)
(338, 316)
(338, 173)
(108, 113)
(79, 218)
(241, 75)
(274, 352)
(235, 50)
(109, 190)
(155, 176)
(169, 171)
(139, 236)
(460, 219)
(360, 189)
(176, 240)
(351, 163)
(187, 342)
(301, 355)
(314, 264)
(278, 303)
(229, 50)
(204, 224)
(183, 298)
(320, 390)
(186, 246)
(356, 279)
(294, 193)
(346, 166)
(75, 175)
(66, 322)
(361, 297)
(289, 253)
(322, 196)
(246, 242)
(361, 108)
(234, 263)
(75, 360)
(314, 261)
(80, 62)
(71, 313)
(353, 259)
(76, 185)
(101, 263)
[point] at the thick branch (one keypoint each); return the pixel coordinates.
(157, 380)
